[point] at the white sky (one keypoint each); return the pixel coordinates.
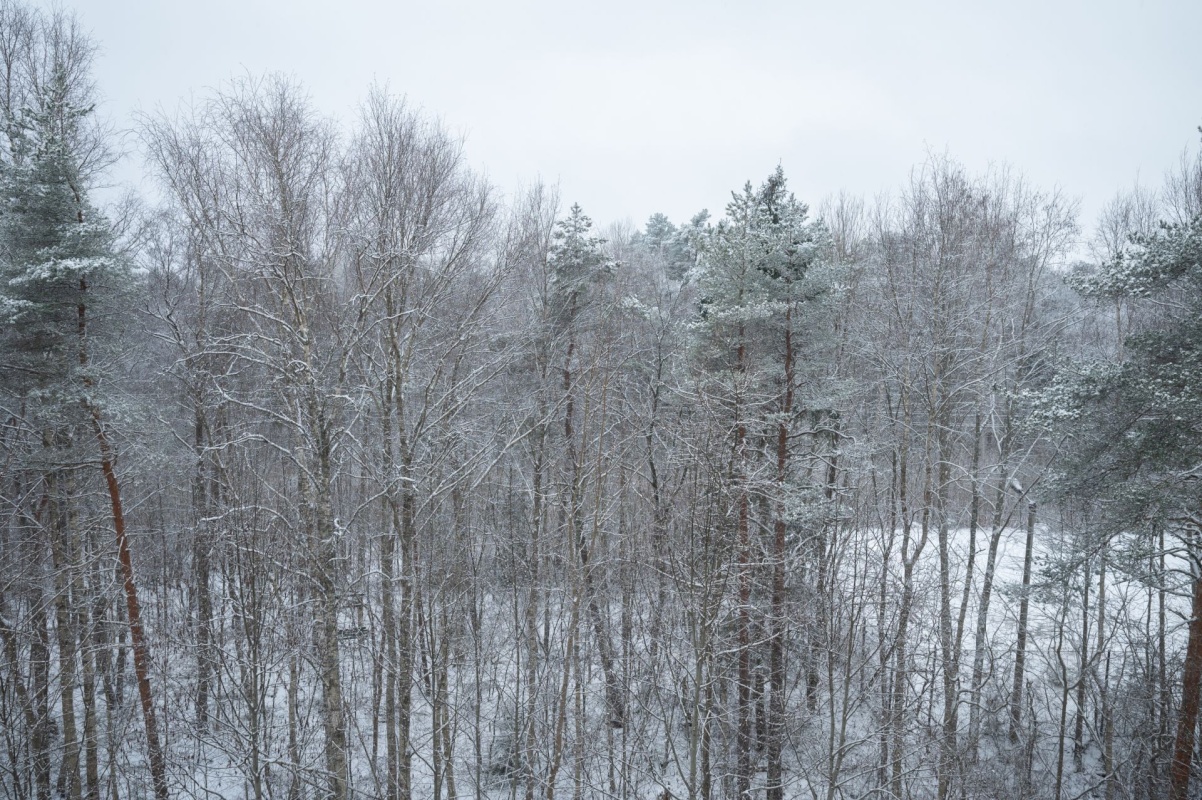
(638, 107)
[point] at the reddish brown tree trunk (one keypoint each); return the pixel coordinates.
(158, 769)
(137, 634)
(1187, 722)
(776, 648)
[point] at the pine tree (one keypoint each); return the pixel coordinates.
(57, 252)
(757, 273)
(578, 265)
(59, 278)
(1135, 427)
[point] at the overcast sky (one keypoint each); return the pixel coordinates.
(638, 107)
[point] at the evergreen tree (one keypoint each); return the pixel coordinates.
(57, 259)
(59, 273)
(1134, 427)
(758, 278)
(577, 263)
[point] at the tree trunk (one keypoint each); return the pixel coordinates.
(137, 636)
(294, 754)
(40, 757)
(947, 645)
(534, 556)
(1191, 688)
(605, 650)
(776, 622)
(388, 621)
(158, 767)
(1083, 669)
(325, 560)
(61, 549)
(981, 636)
(86, 623)
(743, 617)
(901, 672)
(405, 620)
(204, 502)
(39, 675)
(1020, 655)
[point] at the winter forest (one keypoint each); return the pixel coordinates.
(328, 471)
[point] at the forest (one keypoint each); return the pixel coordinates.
(328, 471)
